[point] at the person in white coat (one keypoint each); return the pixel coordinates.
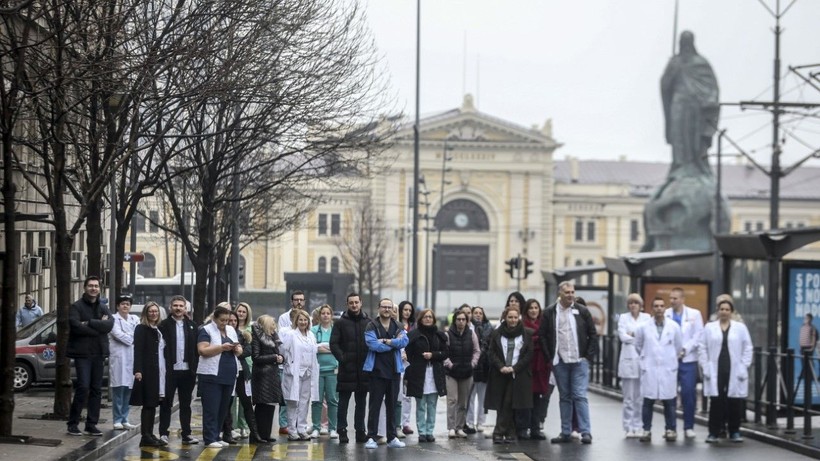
(725, 354)
(691, 326)
(659, 342)
(121, 362)
(629, 367)
(300, 384)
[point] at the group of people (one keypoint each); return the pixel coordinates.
(311, 364)
(661, 353)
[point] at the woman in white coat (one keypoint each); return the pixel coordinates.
(659, 341)
(725, 354)
(629, 367)
(300, 380)
(121, 362)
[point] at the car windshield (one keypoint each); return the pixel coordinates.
(32, 327)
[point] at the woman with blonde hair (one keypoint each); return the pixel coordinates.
(300, 381)
(629, 365)
(265, 384)
(149, 372)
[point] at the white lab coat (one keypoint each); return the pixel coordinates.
(740, 358)
(292, 349)
(659, 359)
(121, 351)
(629, 361)
(691, 327)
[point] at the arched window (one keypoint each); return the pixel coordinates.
(462, 215)
(148, 267)
(322, 264)
(334, 265)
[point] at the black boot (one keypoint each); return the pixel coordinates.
(343, 436)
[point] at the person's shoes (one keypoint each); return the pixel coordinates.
(670, 435)
(150, 442)
(711, 439)
(460, 434)
(164, 439)
(333, 434)
(586, 438)
(227, 438)
(283, 431)
(561, 438)
(479, 428)
(469, 430)
(522, 435)
(236, 434)
(451, 434)
(407, 430)
(509, 439)
(498, 439)
(399, 434)
(575, 435)
(689, 433)
(371, 444)
(736, 437)
(646, 436)
(381, 440)
(293, 437)
(422, 438)
(304, 436)
(188, 440)
(314, 434)
(92, 430)
(537, 435)
(323, 431)
(118, 427)
(343, 437)
(214, 445)
(430, 438)
(395, 443)
(361, 437)
(128, 426)
(244, 433)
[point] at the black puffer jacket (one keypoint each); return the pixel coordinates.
(265, 384)
(460, 353)
(348, 346)
(146, 361)
(421, 340)
(88, 335)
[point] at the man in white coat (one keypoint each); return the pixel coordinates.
(691, 326)
(659, 342)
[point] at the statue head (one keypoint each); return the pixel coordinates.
(687, 43)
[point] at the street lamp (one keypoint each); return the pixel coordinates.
(437, 248)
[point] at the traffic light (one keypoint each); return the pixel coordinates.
(512, 265)
(527, 267)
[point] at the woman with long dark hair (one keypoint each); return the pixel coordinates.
(463, 353)
(541, 388)
(407, 317)
(476, 415)
(424, 378)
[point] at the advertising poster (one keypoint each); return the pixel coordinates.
(696, 295)
(803, 291)
(598, 305)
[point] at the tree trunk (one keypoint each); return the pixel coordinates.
(9, 304)
(62, 265)
(94, 238)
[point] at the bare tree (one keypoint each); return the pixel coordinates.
(365, 251)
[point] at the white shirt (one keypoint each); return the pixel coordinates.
(180, 363)
(567, 344)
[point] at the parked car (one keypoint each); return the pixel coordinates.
(36, 354)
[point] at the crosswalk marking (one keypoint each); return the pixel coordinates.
(300, 451)
(156, 453)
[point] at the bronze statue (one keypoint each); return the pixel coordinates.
(680, 213)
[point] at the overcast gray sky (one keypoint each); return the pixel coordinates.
(594, 66)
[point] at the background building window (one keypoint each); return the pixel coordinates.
(579, 231)
(334, 265)
(322, 264)
(634, 230)
(322, 224)
(335, 224)
(153, 222)
(590, 231)
(148, 267)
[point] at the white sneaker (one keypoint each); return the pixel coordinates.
(323, 431)
(451, 434)
(479, 428)
(224, 443)
(214, 445)
(689, 433)
(236, 434)
(396, 443)
(400, 434)
(244, 433)
(129, 426)
(575, 435)
(164, 438)
(371, 444)
(314, 434)
(460, 434)
(334, 435)
(118, 426)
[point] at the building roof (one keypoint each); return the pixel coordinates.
(739, 181)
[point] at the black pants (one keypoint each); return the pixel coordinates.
(387, 391)
(147, 416)
(182, 381)
(358, 413)
(247, 404)
(263, 414)
(532, 418)
(227, 423)
(89, 371)
(505, 415)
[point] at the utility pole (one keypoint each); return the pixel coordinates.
(437, 248)
(416, 166)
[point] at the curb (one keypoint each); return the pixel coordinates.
(747, 431)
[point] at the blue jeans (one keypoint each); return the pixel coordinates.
(426, 413)
(89, 389)
(216, 401)
(669, 413)
(572, 380)
(687, 380)
(327, 393)
(283, 408)
(120, 403)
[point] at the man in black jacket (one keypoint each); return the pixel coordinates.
(348, 346)
(181, 359)
(569, 341)
(90, 323)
